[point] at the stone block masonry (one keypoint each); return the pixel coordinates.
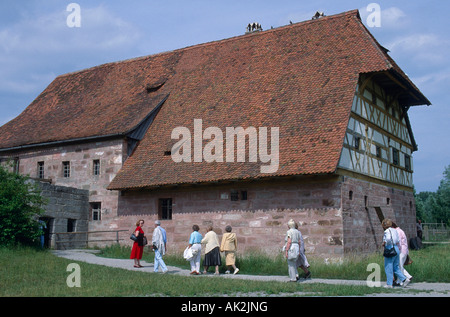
(91, 166)
(365, 204)
(333, 222)
(260, 220)
(67, 210)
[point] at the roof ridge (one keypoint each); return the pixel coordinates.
(214, 42)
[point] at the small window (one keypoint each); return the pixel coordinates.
(96, 211)
(71, 225)
(66, 169)
(388, 201)
(96, 167)
(243, 195)
(378, 151)
(374, 99)
(394, 156)
(357, 140)
(366, 201)
(350, 195)
(234, 195)
(408, 162)
(167, 153)
(165, 209)
(16, 165)
(40, 170)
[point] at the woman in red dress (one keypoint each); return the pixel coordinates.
(138, 246)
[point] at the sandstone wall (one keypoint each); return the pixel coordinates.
(260, 222)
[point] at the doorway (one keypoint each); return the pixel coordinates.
(47, 227)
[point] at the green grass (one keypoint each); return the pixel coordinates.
(30, 272)
(426, 262)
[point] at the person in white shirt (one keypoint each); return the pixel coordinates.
(391, 264)
(159, 243)
(292, 250)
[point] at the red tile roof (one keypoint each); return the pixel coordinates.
(300, 78)
(109, 99)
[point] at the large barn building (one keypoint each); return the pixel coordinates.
(307, 121)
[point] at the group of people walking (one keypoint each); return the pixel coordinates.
(294, 251)
(212, 250)
(159, 244)
(196, 240)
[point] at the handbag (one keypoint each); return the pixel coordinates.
(133, 237)
(187, 254)
(389, 253)
(144, 241)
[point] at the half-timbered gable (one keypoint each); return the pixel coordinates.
(378, 142)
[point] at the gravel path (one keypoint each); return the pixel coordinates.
(89, 256)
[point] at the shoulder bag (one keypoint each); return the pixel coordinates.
(389, 253)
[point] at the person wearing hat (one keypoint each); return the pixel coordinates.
(159, 241)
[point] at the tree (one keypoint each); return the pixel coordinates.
(20, 206)
(435, 206)
(442, 209)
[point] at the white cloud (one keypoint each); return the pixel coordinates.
(415, 41)
(390, 18)
(393, 18)
(33, 49)
(100, 30)
(422, 48)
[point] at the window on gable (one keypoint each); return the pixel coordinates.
(378, 151)
(408, 162)
(395, 157)
(357, 141)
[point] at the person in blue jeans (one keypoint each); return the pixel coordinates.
(159, 242)
(391, 264)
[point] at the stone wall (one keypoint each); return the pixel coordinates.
(67, 209)
(361, 222)
(332, 223)
(110, 153)
(260, 221)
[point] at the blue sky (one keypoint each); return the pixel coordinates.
(36, 45)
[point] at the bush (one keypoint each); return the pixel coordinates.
(20, 206)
